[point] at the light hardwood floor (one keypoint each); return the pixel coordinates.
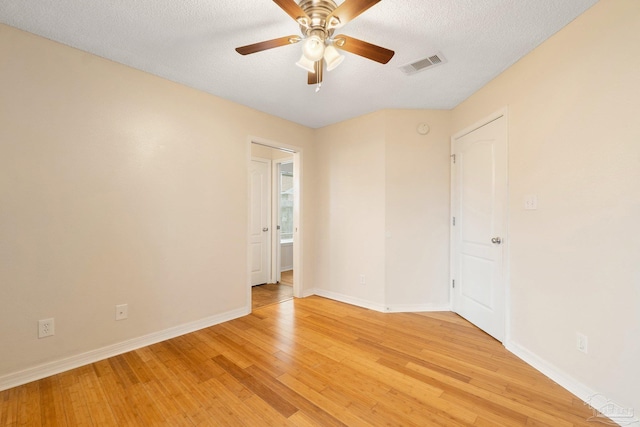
(305, 362)
(286, 278)
(270, 293)
(273, 293)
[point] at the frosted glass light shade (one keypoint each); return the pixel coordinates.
(332, 57)
(313, 48)
(307, 64)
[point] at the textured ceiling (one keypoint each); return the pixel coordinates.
(192, 42)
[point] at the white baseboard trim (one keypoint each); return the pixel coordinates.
(417, 308)
(308, 293)
(408, 308)
(557, 375)
(350, 300)
(45, 370)
(614, 411)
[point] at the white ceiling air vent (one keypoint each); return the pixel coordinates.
(424, 63)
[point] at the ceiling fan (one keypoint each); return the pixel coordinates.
(318, 20)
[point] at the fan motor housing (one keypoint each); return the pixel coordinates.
(317, 10)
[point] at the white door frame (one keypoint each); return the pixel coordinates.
(503, 112)
(298, 225)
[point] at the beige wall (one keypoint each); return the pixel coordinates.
(383, 210)
(417, 210)
(350, 210)
(116, 187)
(574, 141)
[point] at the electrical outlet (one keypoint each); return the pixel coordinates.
(46, 328)
(363, 279)
(531, 202)
(582, 342)
(122, 311)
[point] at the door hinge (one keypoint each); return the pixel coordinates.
(453, 283)
(453, 156)
(454, 221)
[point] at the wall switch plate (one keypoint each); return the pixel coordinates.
(122, 311)
(582, 342)
(531, 202)
(46, 328)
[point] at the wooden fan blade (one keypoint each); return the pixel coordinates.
(315, 78)
(364, 49)
(293, 10)
(268, 44)
(350, 9)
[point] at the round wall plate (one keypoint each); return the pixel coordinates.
(423, 129)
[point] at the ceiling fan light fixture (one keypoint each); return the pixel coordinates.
(307, 64)
(332, 57)
(313, 48)
(318, 20)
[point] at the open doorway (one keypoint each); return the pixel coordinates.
(279, 226)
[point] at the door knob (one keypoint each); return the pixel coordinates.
(496, 240)
(265, 229)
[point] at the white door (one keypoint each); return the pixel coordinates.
(479, 195)
(259, 221)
